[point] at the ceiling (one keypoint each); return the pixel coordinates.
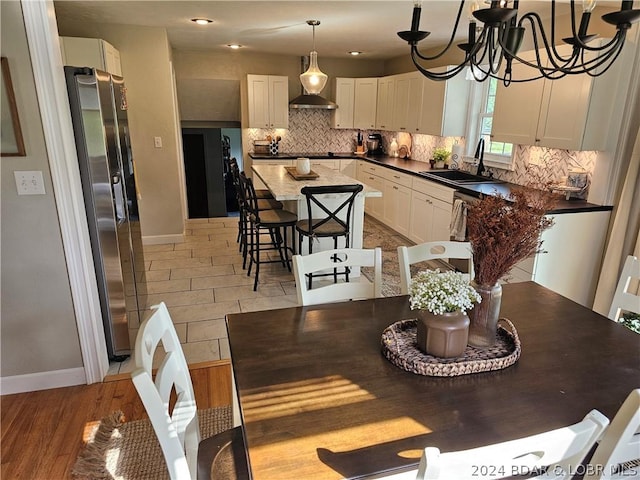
(280, 26)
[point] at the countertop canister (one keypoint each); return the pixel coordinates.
(303, 165)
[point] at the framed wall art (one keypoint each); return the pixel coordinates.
(11, 142)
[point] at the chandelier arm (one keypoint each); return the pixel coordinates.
(605, 69)
(453, 34)
(536, 25)
(415, 56)
(593, 65)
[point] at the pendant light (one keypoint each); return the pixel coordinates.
(313, 80)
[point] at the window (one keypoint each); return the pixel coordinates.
(480, 127)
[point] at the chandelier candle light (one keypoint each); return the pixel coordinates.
(500, 37)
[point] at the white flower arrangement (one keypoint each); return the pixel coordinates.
(440, 292)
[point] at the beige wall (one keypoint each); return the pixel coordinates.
(145, 56)
(198, 73)
(38, 328)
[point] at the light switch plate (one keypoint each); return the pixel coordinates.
(157, 142)
(29, 182)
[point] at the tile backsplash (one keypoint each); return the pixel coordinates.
(310, 131)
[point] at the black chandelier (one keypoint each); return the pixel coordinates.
(501, 35)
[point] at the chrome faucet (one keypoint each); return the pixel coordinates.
(479, 155)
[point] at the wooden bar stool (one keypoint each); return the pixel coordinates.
(273, 222)
(335, 221)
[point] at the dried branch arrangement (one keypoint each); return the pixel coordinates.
(504, 231)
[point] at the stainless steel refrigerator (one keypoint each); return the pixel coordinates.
(99, 114)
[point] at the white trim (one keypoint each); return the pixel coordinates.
(46, 59)
(32, 382)
(162, 239)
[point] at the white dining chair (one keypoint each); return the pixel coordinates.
(355, 289)
(556, 454)
(177, 429)
(622, 298)
(618, 453)
(407, 256)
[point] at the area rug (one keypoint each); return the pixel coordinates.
(120, 450)
(376, 234)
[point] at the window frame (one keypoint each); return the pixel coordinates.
(478, 102)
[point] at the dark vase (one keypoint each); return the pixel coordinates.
(442, 335)
(484, 315)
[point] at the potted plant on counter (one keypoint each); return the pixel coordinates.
(440, 157)
(441, 300)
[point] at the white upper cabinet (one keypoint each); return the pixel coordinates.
(444, 107)
(90, 52)
(344, 96)
(401, 102)
(366, 94)
(385, 102)
(565, 113)
(268, 99)
(409, 102)
(356, 99)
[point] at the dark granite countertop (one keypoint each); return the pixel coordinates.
(573, 205)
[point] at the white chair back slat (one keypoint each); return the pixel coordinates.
(620, 445)
(408, 256)
(178, 430)
(355, 289)
(559, 452)
(623, 299)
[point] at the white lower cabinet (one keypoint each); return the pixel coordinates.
(429, 218)
(396, 200)
(371, 175)
(431, 205)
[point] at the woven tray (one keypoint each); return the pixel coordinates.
(399, 347)
(301, 176)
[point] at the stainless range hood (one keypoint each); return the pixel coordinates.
(310, 101)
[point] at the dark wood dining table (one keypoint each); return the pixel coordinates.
(320, 401)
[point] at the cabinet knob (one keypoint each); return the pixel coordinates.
(395, 188)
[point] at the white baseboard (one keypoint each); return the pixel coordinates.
(162, 239)
(32, 382)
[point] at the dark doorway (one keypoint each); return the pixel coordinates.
(204, 172)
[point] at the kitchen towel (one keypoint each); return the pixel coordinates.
(459, 220)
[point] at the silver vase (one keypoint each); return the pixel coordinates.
(484, 315)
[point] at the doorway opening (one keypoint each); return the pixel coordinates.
(207, 152)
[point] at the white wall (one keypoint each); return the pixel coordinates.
(38, 329)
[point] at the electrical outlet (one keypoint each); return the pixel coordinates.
(29, 183)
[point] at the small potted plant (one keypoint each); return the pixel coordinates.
(440, 156)
(441, 300)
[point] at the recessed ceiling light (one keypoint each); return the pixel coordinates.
(234, 46)
(202, 21)
(354, 53)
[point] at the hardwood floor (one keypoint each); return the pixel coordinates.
(42, 432)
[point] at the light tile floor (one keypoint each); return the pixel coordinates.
(201, 280)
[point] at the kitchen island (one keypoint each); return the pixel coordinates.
(286, 189)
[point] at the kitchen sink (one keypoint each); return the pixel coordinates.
(458, 176)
